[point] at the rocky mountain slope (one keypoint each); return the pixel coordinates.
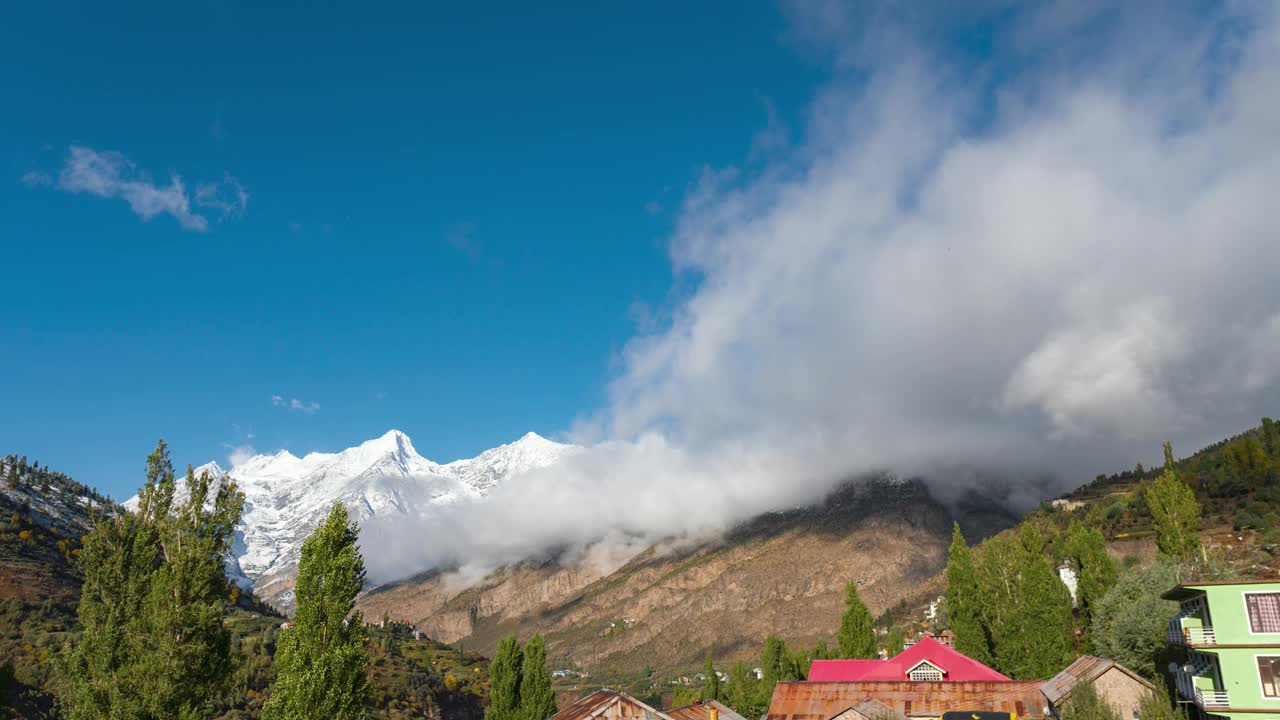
(781, 573)
(287, 496)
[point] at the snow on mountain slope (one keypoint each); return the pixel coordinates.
(286, 497)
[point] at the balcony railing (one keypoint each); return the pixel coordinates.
(1212, 699)
(1179, 635)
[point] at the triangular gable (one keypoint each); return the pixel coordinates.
(925, 662)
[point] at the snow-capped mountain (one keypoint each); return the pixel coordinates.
(286, 497)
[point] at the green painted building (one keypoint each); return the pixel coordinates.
(1231, 635)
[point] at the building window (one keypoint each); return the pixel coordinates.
(1269, 671)
(1264, 612)
(926, 673)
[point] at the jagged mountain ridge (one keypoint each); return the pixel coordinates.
(286, 496)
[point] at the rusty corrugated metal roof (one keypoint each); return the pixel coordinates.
(698, 711)
(1086, 668)
(825, 700)
(611, 704)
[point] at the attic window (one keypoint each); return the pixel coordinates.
(925, 672)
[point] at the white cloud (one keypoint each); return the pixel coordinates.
(1047, 268)
(110, 174)
(295, 405)
(240, 453)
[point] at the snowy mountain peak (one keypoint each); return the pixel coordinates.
(287, 496)
(213, 468)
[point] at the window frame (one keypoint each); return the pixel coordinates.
(1275, 678)
(1248, 618)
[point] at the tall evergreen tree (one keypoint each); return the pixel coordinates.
(964, 601)
(1174, 510)
(1095, 574)
(322, 662)
(743, 693)
(186, 660)
(154, 645)
(504, 681)
(710, 686)
(1035, 639)
(857, 638)
(537, 699)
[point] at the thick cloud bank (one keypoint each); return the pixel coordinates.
(1044, 264)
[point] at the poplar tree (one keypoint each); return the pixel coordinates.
(322, 662)
(1095, 574)
(537, 699)
(186, 662)
(711, 686)
(154, 645)
(964, 601)
(1174, 511)
(504, 681)
(1036, 638)
(856, 638)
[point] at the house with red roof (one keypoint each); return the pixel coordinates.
(926, 661)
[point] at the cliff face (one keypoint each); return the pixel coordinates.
(783, 573)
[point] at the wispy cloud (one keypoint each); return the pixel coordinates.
(295, 405)
(238, 454)
(109, 174)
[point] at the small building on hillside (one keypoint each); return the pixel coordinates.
(712, 710)
(1116, 685)
(927, 660)
(609, 705)
(1229, 635)
(930, 679)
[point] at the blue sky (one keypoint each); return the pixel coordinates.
(790, 242)
(451, 212)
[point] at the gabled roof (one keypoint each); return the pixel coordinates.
(1085, 669)
(825, 700)
(611, 704)
(698, 711)
(956, 666)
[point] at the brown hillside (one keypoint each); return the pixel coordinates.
(782, 573)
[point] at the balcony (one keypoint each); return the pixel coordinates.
(1190, 636)
(1207, 699)
(1212, 699)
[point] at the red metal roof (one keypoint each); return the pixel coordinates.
(956, 667)
(825, 700)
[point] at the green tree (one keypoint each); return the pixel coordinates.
(822, 652)
(1084, 704)
(894, 642)
(856, 639)
(537, 699)
(964, 601)
(504, 681)
(322, 662)
(1095, 573)
(711, 686)
(154, 645)
(1036, 637)
(186, 663)
(744, 693)
(1129, 622)
(1174, 510)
